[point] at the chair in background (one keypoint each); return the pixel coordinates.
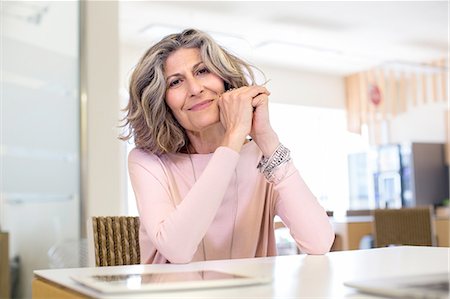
(116, 240)
(408, 226)
(358, 212)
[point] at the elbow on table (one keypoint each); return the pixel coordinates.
(180, 259)
(322, 249)
(176, 254)
(320, 245)
(175, 250)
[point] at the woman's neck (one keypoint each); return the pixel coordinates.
(207, 141)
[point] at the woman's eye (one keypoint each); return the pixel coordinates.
(203, 71)
(174, 83)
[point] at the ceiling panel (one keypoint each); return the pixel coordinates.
(334, 37)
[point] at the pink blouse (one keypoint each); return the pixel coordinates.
(219, 206)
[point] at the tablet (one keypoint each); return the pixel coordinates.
(166, 281)
(421, 286)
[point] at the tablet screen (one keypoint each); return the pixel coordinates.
(164, 277)
(160, 281)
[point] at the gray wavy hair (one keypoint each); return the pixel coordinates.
(148, 118)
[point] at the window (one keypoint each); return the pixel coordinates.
(319, 144)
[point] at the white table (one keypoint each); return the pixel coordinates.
(295, 276)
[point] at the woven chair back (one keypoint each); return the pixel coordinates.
(116, 240)
(408, 226)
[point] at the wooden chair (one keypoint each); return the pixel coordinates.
(116, 240)
(408, 226)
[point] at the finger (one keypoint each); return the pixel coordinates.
(247, 91)
(260, 90)
(259, 100)
(254, 91)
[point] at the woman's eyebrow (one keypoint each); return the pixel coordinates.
(193, 67)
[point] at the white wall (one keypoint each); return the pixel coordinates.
(129, 57)
(421, 123)
(305, 88)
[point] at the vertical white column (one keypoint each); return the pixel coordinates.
(102, 153)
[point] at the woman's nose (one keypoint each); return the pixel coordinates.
(195, 86)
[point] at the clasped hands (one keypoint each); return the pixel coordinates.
(245, 111)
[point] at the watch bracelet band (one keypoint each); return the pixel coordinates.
(268, 165)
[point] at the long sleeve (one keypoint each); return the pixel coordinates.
(302, 214)
(176, 229)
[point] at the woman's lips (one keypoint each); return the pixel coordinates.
(201, 105)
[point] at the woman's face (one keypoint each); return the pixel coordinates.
(192, 90)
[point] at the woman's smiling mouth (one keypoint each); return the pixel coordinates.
(201, 105)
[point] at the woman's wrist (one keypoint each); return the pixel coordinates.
(270, 166)
(233, 141)
(267, 143)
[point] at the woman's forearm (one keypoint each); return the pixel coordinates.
(303, 215)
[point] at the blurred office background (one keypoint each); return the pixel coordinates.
(355, 87)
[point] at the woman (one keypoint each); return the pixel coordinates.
(203, 190)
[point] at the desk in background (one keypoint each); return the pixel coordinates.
(351, 229)
(4, 266)
(318, 276)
